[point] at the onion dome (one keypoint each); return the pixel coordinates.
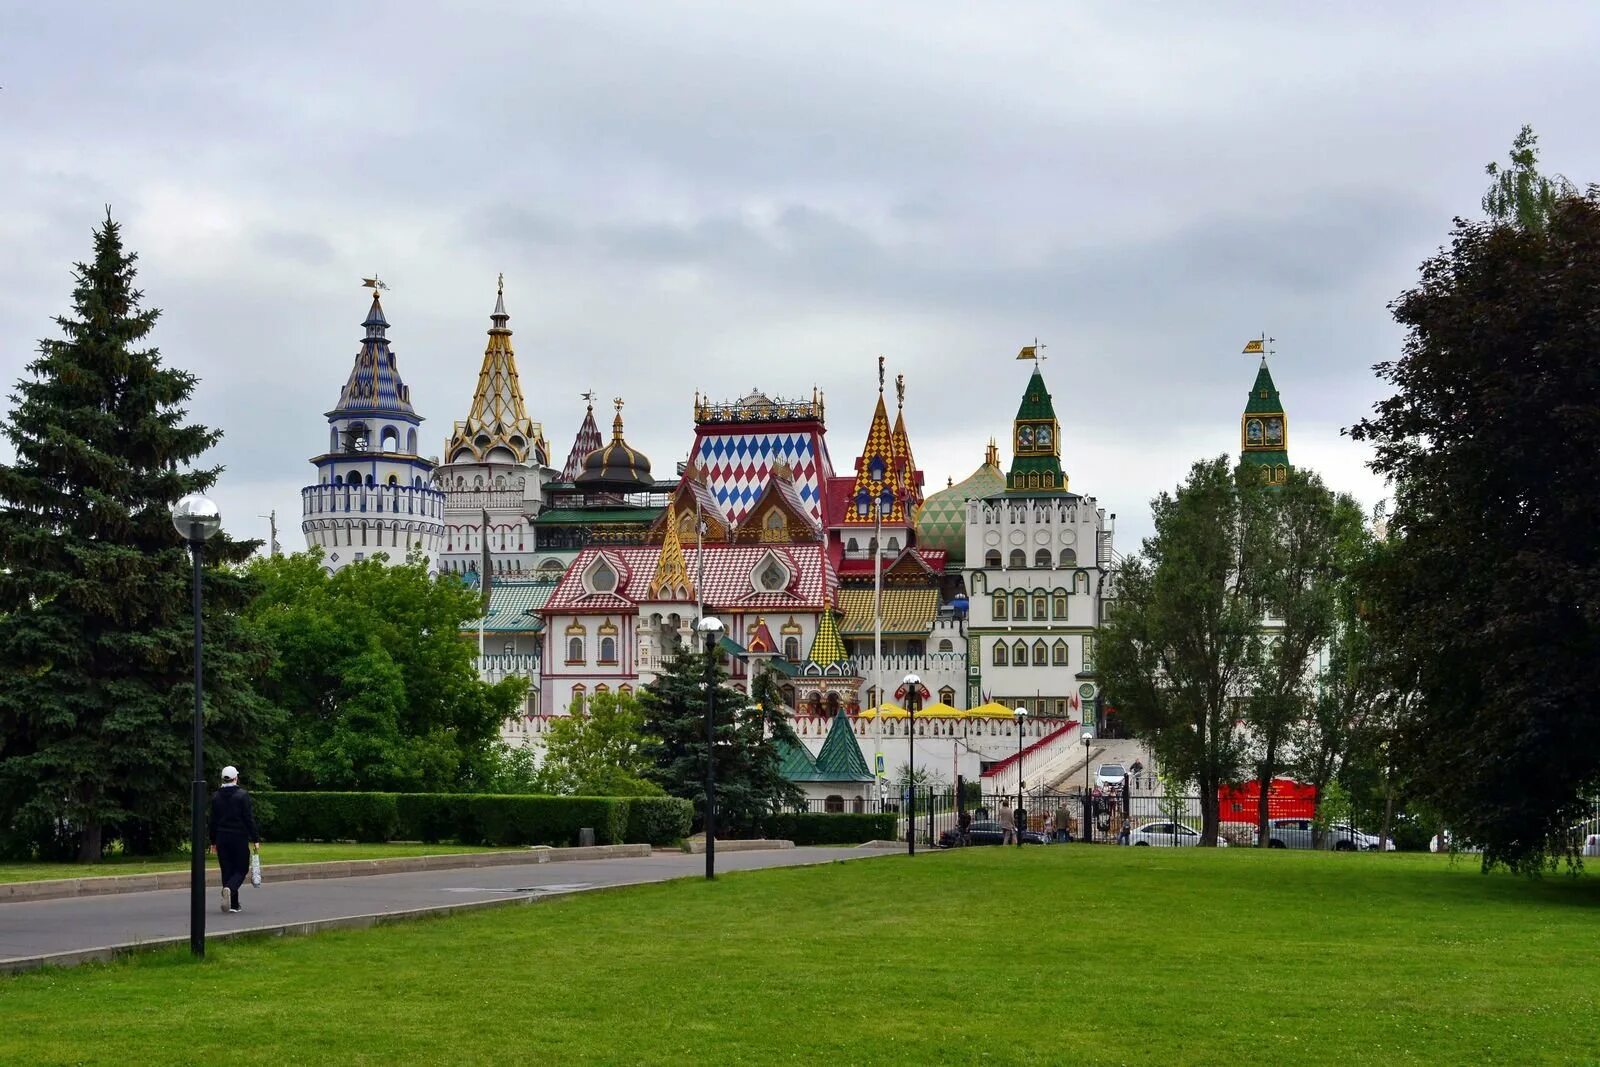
(942, 523)
(616, 468)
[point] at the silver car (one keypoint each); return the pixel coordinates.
(1301, 833)
(1168, 835)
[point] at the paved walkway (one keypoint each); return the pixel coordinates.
(91, 927)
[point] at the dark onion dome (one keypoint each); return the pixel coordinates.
(616, 468)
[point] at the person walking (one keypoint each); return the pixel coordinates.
(233, 835)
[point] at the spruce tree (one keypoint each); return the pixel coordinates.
(750, 783)
(96, 629)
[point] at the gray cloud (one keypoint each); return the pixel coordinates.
(719, 195)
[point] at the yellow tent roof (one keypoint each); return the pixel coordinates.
(890, 711)
(992, 710)
(940, 710)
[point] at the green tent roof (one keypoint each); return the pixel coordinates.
(840, 759)
(795, 763)
(1264, 399)
(942, 523)
(1036, 403)
(514, 605)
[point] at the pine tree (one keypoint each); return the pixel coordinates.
(750, 783)
(96, 629)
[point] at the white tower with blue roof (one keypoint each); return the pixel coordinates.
(373, 492)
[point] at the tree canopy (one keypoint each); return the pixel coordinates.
(599, 750)
(96, 625)
(1520, 195)
(1490, 589)
(378, 688)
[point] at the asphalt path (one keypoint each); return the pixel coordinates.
(32, 929)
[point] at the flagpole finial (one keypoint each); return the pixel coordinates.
(880, 374)
(900, 389)
(500, 285)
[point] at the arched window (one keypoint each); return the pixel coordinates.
(948, 696)
(791, 649)
(1080, 582)
(1041, 655)
(772, 577)
(608, 650)
(389, 440)
(575, 650)
(1040, 609)
(393, 480)
(1041, 559)
(601, 688)
(625, 689)
(991, 558)
(833, 803)
(1033, 479)
(1000, 657)
(1060, 605)
(602, 579)
(578, 693)
(894, 544)
(1001, 603)
(1058, 654)
(1049, 479)
(353, 478)
(338, 479)
(1019, 654)
(411, 441)
(1019, 607)
(363, 535)
(1019, 559)
(1069, 557)
(945, 645)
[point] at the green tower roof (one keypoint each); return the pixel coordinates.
(1036, 444)
(839, 759)
(942, 522)
(1036, 403)
(1264, 398)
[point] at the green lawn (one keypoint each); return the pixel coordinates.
(1059, 955)
(270, 853)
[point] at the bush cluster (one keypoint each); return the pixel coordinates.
(816, 828)
(472, 819)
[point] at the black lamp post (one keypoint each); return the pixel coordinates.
(1021, 715)
(196, 519)
(711, 629)
(911, 694)
(1088, 799)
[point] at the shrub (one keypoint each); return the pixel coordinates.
(327, 816)
(431, 817)
(658, 820)
(539, 820)
(815, 828)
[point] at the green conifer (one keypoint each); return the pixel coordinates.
(96, 627)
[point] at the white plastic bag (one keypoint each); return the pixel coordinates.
(255, 868)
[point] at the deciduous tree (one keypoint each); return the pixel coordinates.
(1491, 588)
(598, 750)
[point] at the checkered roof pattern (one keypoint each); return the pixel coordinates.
(738, 465)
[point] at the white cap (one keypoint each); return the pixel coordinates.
(230, 773)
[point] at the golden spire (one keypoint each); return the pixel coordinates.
(991, 455)
(672, 581)
(498, 419)
(616, 423)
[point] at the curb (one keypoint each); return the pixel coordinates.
(697, 846)
(61, 888)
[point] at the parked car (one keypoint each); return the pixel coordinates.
(1447, 844)
(1301, 833)
(1110, 775)
(1169, 835)
(989, 833)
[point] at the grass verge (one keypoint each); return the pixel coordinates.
(1059, 955)
(308, 852)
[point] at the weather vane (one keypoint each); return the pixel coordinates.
(900, 389)
(880, 374)
(589, 396)
(373, 283)
(500, 284)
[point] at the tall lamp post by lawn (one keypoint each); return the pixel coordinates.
(196, 518)
(1088, 800)
(911, 694)
(711, 629)
(1021, 715)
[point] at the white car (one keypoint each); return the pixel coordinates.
(1110, 775)
(1302, 833)
(1168, 835)
(1591, 845)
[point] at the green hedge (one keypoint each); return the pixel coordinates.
(658, 820)
(472, 819)
(816, 828)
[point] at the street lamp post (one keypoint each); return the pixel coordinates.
(911, 693)
(1088, 800)
(711, 629)
(196, 519)
(1020, 714)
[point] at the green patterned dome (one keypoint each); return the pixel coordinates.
(942, 523)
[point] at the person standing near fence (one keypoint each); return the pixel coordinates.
(1008, 829)
(233, 834)
(1021, 819)
(1063, 823)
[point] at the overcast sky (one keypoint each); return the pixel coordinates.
(719, 196)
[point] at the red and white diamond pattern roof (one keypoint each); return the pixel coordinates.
(729, 582)
(738, 465)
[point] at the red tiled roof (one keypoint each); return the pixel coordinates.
(727, 584)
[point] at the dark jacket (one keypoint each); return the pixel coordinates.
(231, 813)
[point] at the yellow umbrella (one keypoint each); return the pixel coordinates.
(991, 710)
(941, 710)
